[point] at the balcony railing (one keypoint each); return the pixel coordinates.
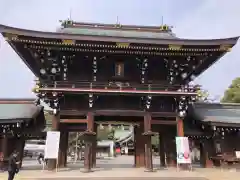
(112, 87)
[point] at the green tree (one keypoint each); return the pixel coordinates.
(232, 94)
(203, 95)
(102, 133)
(155, 140)
(48, 119)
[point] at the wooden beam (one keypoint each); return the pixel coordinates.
(166, 122)
(119, 113)
(163, 114)
(76, 129)
(110, 112)
(118, 122)
(121, 91)
(80, 121)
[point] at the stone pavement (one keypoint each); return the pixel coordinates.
(128, 178)
(120, 168)
(100, 174)
(128, 174)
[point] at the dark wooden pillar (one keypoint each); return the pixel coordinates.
(4, 147)
(4, 150)
(94, 147)
(136, 156)
(180, 133)
(11, 144)
(20, 149)
(51, 163)
(62, 155)
(162, 150)
(61, 149)
(170, 149)
(148, 144)
(206, 150)
(66, 149)
(139, 144)
(89, 137)
(236, 141)
(148, 154)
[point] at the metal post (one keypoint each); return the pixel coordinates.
(76, 147)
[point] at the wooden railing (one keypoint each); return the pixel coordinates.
(115, 87)
(112, 85)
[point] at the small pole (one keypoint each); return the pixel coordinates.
(43, 165)
(70, 14)
(117, 20)
(76, 149)
(57, 165)
(162, 20)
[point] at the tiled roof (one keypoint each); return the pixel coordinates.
(17, 109)
(221, 113)
(118, 33)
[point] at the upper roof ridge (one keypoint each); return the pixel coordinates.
(73, 24)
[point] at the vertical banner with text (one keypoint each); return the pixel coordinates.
(183, 150)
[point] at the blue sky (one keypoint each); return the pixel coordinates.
(190, 18)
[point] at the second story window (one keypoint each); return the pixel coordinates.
(119, 69)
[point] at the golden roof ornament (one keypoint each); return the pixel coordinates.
(66, 23)
(166, 28)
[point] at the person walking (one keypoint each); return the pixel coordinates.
(40, 158)
(12, 166)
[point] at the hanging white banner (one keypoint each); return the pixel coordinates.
(183, 150)
(52, 145)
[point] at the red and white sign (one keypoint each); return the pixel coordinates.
(183, 150)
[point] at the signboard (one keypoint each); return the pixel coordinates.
(183, 150)
(237, 153)
(52, 145)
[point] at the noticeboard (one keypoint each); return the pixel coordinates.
(52, 145)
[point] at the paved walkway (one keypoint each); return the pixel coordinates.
(115, 173)
(197, 174)
(121, 168)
